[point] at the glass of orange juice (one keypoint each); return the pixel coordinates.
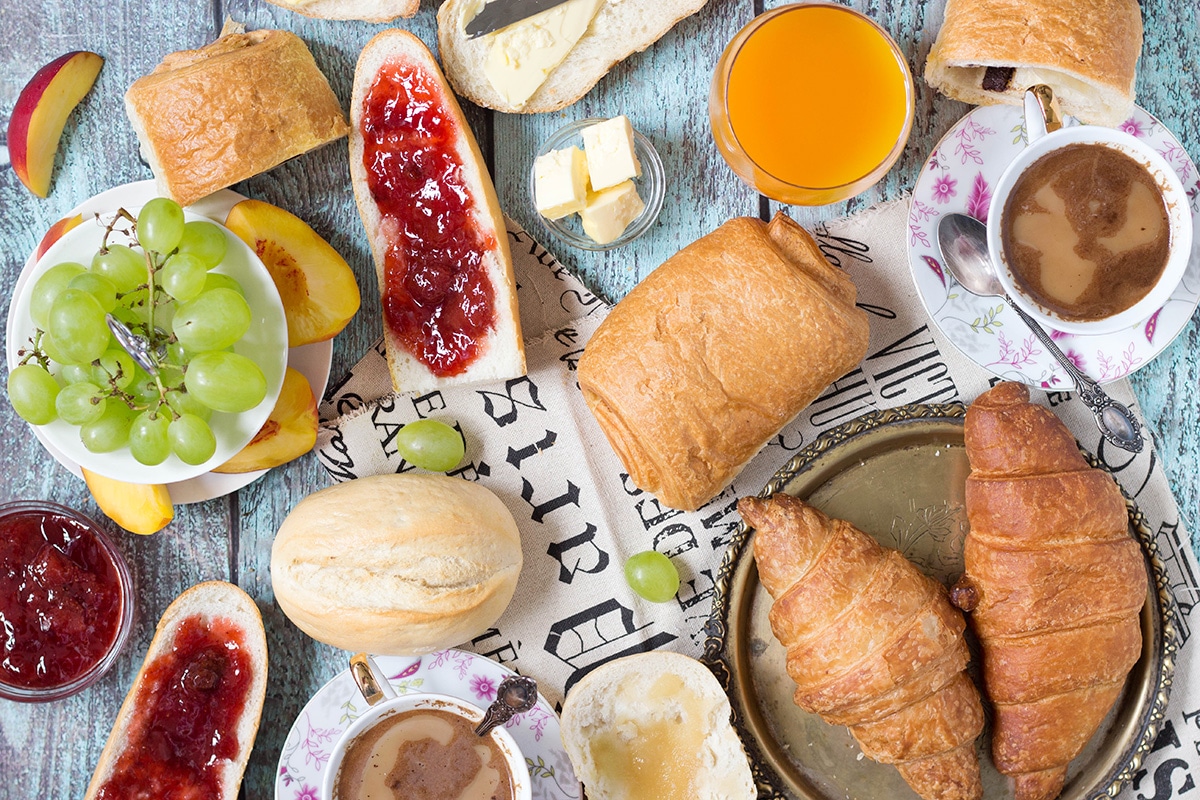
(811, 103)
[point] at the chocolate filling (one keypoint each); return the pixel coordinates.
(997, 79)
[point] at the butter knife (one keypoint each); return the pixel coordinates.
(502, 13)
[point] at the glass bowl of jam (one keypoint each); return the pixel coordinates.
(66, 602)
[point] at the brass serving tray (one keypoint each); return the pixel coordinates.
(900, 475)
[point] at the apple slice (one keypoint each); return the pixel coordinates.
(290, 431)
(41, 112)
(136, 507)
(55, 233)
(317, 286)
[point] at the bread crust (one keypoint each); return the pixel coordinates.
(209, 118)
(209, 600)
(502, 357)
(715, 351)
(366, 10)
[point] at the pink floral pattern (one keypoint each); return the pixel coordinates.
(1134, 127)
(483, 687)
(979, 198)
(970, 136)
(307, 792)
(943, 189)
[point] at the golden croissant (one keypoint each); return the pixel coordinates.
(871, 643)
(1054, 584)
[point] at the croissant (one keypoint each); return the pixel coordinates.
(1054, 584)
(871, 643)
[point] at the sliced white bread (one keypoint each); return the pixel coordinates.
(502, 355)
(634, 726)
(619, 29)
(367, 10)
(209, 601)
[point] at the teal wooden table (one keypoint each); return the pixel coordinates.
(48, 751)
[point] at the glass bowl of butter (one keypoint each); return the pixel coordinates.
(597, 184)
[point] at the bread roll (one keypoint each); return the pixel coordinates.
(1086, 51)
(715, 351)
(396, 564)
(132, 764)
(654, 726)
(209, 118)
(366, 10)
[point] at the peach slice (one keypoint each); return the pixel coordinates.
(290, 431)
(136, 507)
(55, 233)
(41, 113)
(317, 286)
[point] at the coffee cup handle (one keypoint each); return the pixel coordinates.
(370, 680)
(1041, 112)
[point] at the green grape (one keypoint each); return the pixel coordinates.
(652, 575)
(205, 241)
(55, 353)
(98, 287)
(109, 431)
(125, 267)
(226, 381)
(183, 277)
(213, 321)
(77, 324)
(148, 438)
(116, 365)
(191, 439)
(216, 280)
(430, 445)
(144, 390)
(160, 225)
(47, 289)
(76, 373)
(32, 392)
(182, 402)
(80, 403)
(178, 354)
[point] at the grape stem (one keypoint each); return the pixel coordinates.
(110, 227)
(35, 352)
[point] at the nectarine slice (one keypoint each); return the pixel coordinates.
(41, 113)
(136, 507)
(290, 431)
(317, 286)
(55, 233)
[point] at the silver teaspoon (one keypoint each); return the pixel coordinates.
(963, 242)
(137, 347)
(515, 695)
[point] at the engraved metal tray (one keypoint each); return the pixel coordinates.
(900, 475)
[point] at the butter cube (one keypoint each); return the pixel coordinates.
(610, 155)
(609, 212)
(560, 180)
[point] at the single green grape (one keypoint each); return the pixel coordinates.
(160, 225)
(98, 287)
(55, 353)
(148, 438)
(182, 402)
(226, 381)
(213, 321)
(177, 354)
(216, 280)
(80, 403)
(32, 392)
(77, 324)
(109, 432)
(115, 365)
(76, 373)
(192, 439)
(652, 575)
(430, 445)
(183, 277)
(47, 289)
(143, 388)
(124, 266)
(205, 241)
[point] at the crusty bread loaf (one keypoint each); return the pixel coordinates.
(209, 118)
(502, 355)
(213, 603)
(367, 10)
(654, 725)
(620, 29)
(1086, 51)
(715, 351)
(397, 564)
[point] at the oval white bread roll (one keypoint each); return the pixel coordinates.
(397, 564)
(209, 601)
(502, 356)
(619, 30)
(367, 10)
(654, 726)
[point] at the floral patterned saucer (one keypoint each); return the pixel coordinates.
(958, 177)
(454, 672)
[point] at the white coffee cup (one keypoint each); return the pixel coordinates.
(383, 702)
(1044, 136)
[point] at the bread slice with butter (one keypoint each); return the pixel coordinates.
(543, 63)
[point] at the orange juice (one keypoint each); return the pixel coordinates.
(811, 103)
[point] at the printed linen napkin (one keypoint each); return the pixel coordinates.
(534, 443)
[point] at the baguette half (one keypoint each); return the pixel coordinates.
(501, 356)
(366, 10)
(209, 602)
(619, 30)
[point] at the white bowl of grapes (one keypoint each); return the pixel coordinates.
(148, 345)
